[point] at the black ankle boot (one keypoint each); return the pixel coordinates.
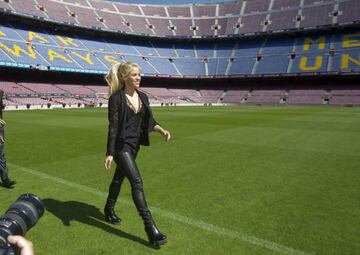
(110, 215)
(154, 235)
(7, 183)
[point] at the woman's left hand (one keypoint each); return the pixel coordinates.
(163, 132)
(166, 134)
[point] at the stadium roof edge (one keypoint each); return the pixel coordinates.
(64, 26)
(170, 5)
(274, 76)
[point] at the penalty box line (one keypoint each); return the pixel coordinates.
(171, 215)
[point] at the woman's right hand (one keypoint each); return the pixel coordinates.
(2, 122)
(108, 161)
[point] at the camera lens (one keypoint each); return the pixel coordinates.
(22, 215)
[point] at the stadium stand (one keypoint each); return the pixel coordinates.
(224, 19)
(30, 101)
(252, 39)
(44, 89)
(345, 97)
(76, 90)
(265, 97)
(237, 96)
(320, 52)
(11, 88)
(309, 96)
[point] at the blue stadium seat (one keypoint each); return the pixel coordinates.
(190, 66)
(217, 66)
(93, 44)
(5, 58)
(164, 49)
(163, 65)
(221, 66)
(248, 48)
(185, 50)
(278, 45)
(273, 64)
(145, 66)
(122, 47)
(205, 49)
(224, 49)
(9, 32)
(145, 48)
(242, 65)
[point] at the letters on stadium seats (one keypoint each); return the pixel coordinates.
(313, 53)
(346, 59)
(33, 35)
(305, 66)
(66, 40)
(17, 50)
(352, 40)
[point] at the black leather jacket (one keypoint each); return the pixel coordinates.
(117, 118)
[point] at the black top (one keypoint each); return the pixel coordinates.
(117, 115)
(1, 111)
(133, 124)
(1, 103)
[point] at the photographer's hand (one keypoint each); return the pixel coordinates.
(25, 246)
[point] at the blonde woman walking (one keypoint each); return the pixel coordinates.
(130, 121)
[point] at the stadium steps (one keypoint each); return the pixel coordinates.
(175, 67)
(231, 57)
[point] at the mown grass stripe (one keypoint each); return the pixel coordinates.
(175, 216)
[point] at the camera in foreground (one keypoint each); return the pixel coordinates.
(21, 216)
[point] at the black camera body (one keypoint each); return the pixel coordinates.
(5, 247)
(22, 215)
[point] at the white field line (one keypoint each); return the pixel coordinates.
(175, 216)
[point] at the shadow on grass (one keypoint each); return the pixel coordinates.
(88, 214)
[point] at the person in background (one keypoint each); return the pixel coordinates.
(6, 182)
(130, 121)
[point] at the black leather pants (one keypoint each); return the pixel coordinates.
(126, 167)
(3, 168)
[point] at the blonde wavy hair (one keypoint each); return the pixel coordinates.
(117, 74)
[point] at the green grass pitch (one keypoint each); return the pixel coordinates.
(233, 180)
